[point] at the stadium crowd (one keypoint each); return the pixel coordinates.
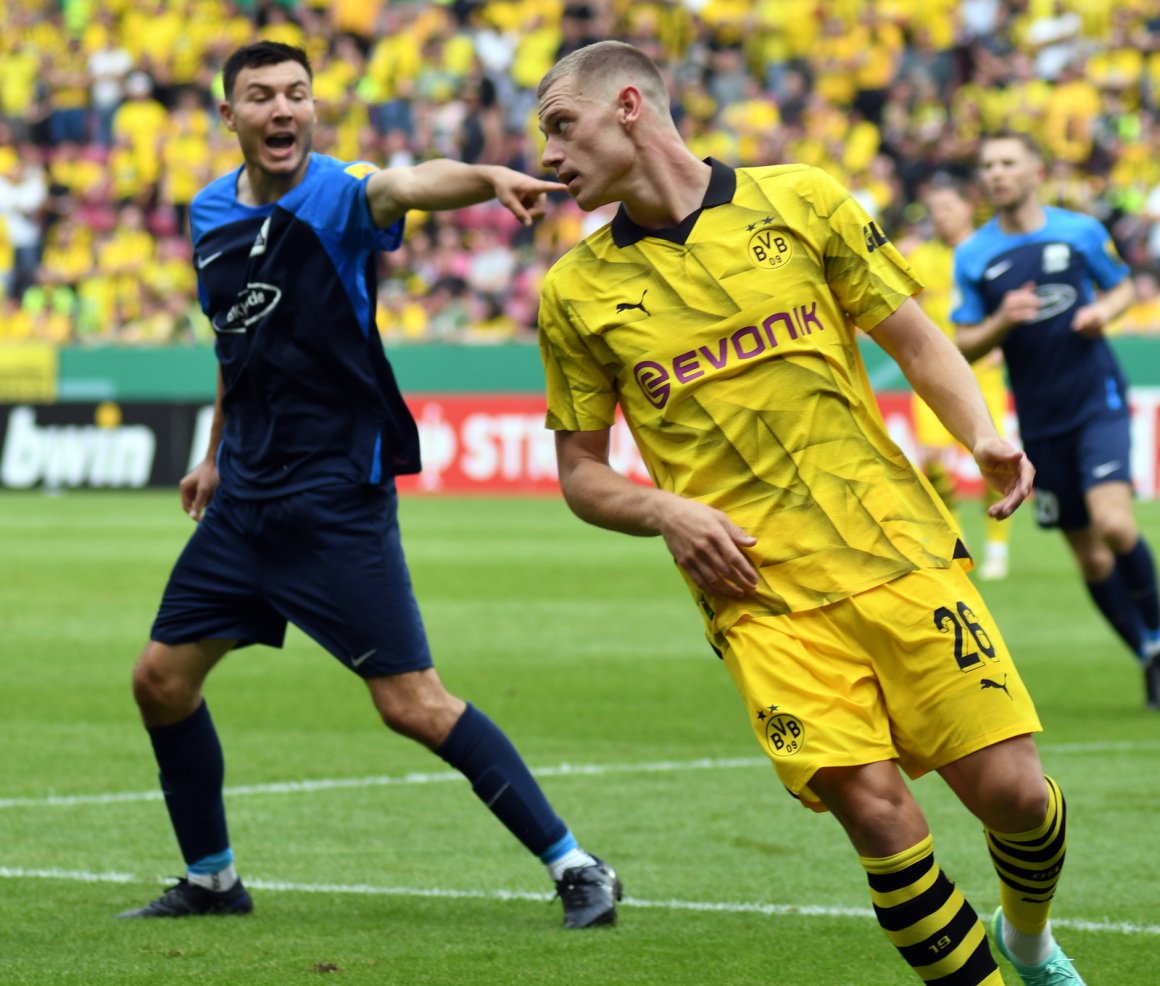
(108, 126)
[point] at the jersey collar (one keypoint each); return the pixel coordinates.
(722, 186)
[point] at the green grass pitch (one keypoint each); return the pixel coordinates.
(371, 864)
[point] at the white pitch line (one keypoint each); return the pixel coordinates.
(436, 777)
(386, 780)
(446, 893)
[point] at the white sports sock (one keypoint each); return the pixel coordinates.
(1028, 949)
(220, 881)
(570, 860)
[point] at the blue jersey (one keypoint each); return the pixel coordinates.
(309, 397)
(1059, 378)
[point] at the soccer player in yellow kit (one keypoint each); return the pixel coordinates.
(718, 309)
(952, 218)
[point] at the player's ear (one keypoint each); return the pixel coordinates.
(226, 112)
(629, 105)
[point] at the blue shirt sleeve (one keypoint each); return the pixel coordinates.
(966, 301)
(1100, 255)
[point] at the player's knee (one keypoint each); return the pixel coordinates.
(1119, 532)
(160, 694)
(880, 818)
(418, 708)
(1016, 808)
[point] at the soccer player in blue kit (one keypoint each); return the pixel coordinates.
(1043, 283)
(295, 500)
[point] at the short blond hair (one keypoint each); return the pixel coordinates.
(610, 59)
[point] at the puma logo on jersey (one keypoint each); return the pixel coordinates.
(986, 683)
(627, 306)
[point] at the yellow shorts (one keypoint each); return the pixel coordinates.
(913, 670)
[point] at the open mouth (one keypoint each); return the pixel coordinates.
(280, 142)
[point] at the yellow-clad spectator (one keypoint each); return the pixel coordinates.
(68, 81)
(280, 27)
(169, 271)
(127, 182)
(881, 44)
(16, 324)
(751, 119)
(222, 27)
(357, 17)
(151, 31)
(142, 120)
(19, 68)
(784, 30)
(535, 51)
(185, 156)
(96, 317)
(68, 254)
(1117, 66)
(77, 168)
(1025, 100)
(835, 59)
(938, 21)
(1069, 122)
(124, 256)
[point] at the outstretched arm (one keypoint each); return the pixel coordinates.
(942, 377)
(441, 184)
(702, 540)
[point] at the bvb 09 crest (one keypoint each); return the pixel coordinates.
(770, 247)
(784, 734)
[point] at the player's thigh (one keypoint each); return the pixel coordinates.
(1104, 451)
(214, 590)
(339, 573)
(810, 693)
(950, 684)
(1059, 494)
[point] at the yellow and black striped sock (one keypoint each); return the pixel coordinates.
(928, 920)
(1029, 865)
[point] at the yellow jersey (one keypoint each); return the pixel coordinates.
(730, 345)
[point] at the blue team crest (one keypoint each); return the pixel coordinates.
(1056, 257)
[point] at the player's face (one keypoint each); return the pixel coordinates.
(950, 214)
(585, 144)
(1009, 172)
(272, 113)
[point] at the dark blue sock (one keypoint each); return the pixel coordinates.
(189, 756)
(1138, 572)
(1111, 596)
(478, 749)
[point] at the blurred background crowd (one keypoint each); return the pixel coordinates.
(108, 126)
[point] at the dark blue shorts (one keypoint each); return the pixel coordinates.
(1067, 466)
(328, 560)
